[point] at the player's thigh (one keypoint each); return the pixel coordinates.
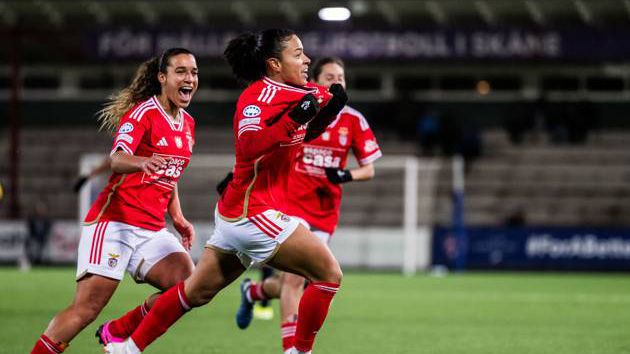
(94, 292)
(306, 255)
(215, 270)
(170, 270)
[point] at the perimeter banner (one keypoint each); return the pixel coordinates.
(535, 248)
(418, 44)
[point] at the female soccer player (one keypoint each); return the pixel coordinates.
(273, 115)
(125, 228)
(315, 194)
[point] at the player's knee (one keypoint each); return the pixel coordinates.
(201, 297)
(331, 272)
(87, 313)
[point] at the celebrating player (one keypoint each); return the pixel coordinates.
(273, 115)
(125, 228)
(315, 195)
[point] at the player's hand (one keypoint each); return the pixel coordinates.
(338, 100)
(153, 164)
(224, 182)
(80, 181)
(338, 176)
(186, 231)
(305, 110)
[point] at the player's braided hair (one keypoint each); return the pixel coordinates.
(247, 54)
(144, 85)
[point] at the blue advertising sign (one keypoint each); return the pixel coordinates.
(415, 44)
(540, 248)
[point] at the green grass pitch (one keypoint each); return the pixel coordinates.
(473, 313)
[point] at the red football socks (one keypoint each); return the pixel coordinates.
(45, 345)
(166, 310)
(288, 335)
(256, 292)
(124, 326)
(312, 312)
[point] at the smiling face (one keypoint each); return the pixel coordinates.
(292, 67)
(331, 73)
(180, 81)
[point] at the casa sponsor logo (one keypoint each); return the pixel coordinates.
(125, 137)
(112, 261)
(251, 111)
(320, 157)
(370, 145)
(126, 128)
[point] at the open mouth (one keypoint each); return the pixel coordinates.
(185, 93)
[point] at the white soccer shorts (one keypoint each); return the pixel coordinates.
(321, 235)
(109, 248)
(254, 239)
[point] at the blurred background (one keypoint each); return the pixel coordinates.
(504, 123)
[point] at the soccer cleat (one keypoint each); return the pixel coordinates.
(126, 347)
(292, 350)
(263, 312)
(116, 348)
(105, 337)
(244, 313)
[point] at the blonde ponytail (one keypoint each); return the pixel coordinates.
(144, 85)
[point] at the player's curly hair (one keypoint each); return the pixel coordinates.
(144, 85)
(247, 54)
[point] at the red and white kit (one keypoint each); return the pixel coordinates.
(137, 200)
(312, 196)
(266, 140)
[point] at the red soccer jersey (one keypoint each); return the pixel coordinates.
(311, 196)
(138, 198)
(265, 141)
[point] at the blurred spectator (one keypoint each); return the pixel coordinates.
(39, 226)
(515, 218)
(450, 134)
(522, 120)
(102, 167)
(427, 131)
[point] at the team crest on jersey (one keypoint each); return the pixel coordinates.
(251, 111)
(112, 261)
(343, 135)
(178, 142)
(126, 128)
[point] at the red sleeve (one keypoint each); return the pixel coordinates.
(364, 145)
(130, 132)
(258, 130)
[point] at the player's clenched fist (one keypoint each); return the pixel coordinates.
(305, 110)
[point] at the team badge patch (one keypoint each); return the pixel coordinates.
(343, 135)
(112, 261)
(251, 111)
(283, 217)
(126, 128)
(178, 142)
